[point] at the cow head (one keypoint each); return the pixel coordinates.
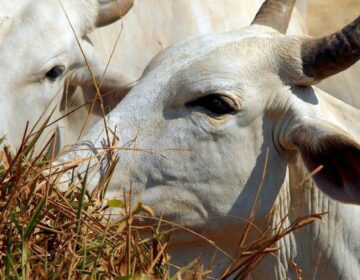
(39, 47)
(217, 117)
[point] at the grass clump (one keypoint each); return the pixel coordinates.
(49, 234)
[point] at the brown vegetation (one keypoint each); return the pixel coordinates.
(49, 234)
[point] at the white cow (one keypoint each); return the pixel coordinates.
(145, 30)
(232, 105)
(33, 33)
(143, 27)
(149, 27)
(38, 48)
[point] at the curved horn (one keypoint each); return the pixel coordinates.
(112, 10)
(332, 54)
(275, 14)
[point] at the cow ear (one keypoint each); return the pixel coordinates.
(113, 87)
(322, 144)
(110, 11)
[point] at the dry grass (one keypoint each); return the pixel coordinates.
(48, 234)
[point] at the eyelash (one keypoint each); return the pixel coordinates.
(214, 104)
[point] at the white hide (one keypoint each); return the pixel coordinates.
(204, 170)
(35, 37)
(28, 49)
(150, 26)
(153, 25)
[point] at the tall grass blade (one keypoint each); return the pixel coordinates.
(34, 218)
(8, 259)
(24, 260)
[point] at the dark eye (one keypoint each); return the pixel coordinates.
(213, 103)
(55, 72)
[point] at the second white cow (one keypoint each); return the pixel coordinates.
(39, 46)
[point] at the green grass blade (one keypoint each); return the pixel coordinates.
(34, 218)
(24, 259)
(17, 225)
(8, 254)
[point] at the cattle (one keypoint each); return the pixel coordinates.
(24, 21)
(144, 29)
(220, 121)
(39, 47)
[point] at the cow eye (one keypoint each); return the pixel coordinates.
(213, 103)
(55, 72)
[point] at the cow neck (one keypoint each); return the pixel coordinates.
(328, 246)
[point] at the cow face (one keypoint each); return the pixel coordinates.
(38, 49)
(213, 124)
(209, 109)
